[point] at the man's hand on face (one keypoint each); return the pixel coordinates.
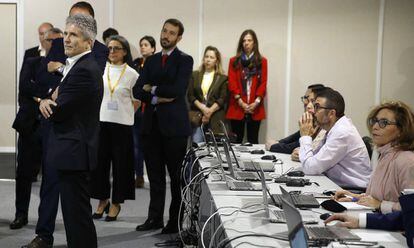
(306, 124)
(45, 109)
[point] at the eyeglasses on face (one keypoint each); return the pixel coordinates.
(382, 123)
(115, 48)
(317, 106)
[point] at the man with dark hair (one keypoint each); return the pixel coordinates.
(108, 33)
(165, 127)
(342, 156)
(40, 49)
(82, 7)
(287, 145)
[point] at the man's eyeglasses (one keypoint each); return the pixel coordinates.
(317, 106)
(115, 48)
(382, 123)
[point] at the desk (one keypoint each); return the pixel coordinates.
(216, 197)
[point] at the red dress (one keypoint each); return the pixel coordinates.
(235, 112)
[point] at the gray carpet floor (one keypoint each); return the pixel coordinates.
(120, 233)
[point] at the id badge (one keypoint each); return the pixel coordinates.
(113, 105)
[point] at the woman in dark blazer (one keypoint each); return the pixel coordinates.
(247, 86)
(207, 92)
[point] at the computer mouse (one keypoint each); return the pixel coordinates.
(257, 152)
(325, 216)
(296, 174)
(329, 192)
(269, 157)
(247, 144)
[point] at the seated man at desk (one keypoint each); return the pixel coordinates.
(395, 221)
(342, 155)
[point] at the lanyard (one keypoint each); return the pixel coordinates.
(112, 88)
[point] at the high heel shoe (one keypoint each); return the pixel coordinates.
(113, 218)
(99, 215)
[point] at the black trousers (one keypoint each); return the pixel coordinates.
(116, 148)
(29, 156)
(252, 130)
(160, 151)
(76, 209)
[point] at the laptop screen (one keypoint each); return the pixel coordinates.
(298, 238)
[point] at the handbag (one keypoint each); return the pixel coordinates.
(195, 118)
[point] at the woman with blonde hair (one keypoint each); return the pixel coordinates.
(207, 93)
(391, 125)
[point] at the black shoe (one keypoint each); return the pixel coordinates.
(149, 225)
(99, 215)
(38, 243)
(171, 227)
(18, 223)
(113, 218)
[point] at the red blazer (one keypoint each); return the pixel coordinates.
(235, 112)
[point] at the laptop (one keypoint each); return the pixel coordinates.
(232, 184)
(241, 175)
(278, 216)
(321, 235)
(298, 200)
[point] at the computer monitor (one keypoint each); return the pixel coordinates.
(298, 237)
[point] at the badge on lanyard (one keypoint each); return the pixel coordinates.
(113, 104)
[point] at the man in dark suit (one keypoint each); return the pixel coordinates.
(40, 49)
(33, 85)
(49, 192)
(395, 221)
(73, 139)
(165, 125)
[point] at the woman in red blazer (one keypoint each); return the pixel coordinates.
(247, 86)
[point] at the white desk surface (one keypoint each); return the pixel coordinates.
(243, 223)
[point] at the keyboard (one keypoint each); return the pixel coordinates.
(300, 201)
(321, 232)
(279, 215)
(239, 184)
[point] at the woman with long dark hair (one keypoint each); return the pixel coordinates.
(247, 86)
(115, 140)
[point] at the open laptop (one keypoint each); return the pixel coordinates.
(278, 216)
(298, 200)
(317, 234)
(241, 175)
(243, 164)
(232, 184)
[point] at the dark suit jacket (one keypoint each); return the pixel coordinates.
(99, 52)
(217, 93)
(172, 82)
(402, 220)
(31, 52)
(287, 145)
(73, 138)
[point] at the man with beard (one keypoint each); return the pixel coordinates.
(342, 155)
(162, 86)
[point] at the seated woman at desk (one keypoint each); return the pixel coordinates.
(290, 144)
(391, 125)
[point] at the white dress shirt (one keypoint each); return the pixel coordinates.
(70, 62)
(342, 157)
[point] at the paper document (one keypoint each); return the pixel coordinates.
(355, 206)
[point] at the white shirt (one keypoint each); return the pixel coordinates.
(122, 95)
(41, 50)
(343, 157)
(70, 62)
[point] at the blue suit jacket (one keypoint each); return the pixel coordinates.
(73, 138)
(402, 220)
(172, 82)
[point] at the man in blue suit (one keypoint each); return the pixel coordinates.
(396, 221)
(165, 129)
(49, 191)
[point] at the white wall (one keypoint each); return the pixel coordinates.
(332, 41)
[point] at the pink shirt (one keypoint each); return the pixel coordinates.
(393, 174)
